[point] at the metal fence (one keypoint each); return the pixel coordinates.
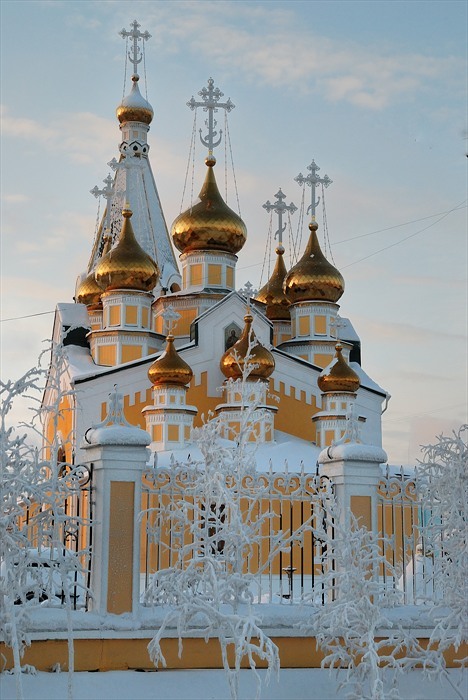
(58, 537)
(284, 560)
(404, 543)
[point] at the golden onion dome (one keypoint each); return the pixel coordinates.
(338, 376)
(232, 362)
(209, 224)
(89, 292)
(170, 368)
(277, 304)
(313, 278)
(127, 266)
(134, 107)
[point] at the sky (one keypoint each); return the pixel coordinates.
(375, 92)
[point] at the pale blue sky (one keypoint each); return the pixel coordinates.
(374, 91)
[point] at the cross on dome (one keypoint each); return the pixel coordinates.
(279, 207)
(312, 180)
(135, 54)
(336, 324)
(170, 318)
(107, 192)
(210, 103)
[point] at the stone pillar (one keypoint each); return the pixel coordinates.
(354, 469)
(117, 453)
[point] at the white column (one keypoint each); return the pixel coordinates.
(117, 453)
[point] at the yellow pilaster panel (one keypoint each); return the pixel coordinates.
(173, 433)
(329, 437)
(144, 318)
(182, 326)
(120, 566)
(214, 274)
(304, 325)
(361, 508)
(131, 352)
(107, 355)
(157, 433)
(131, 315)
(322, 360)
(195, 275)
(320, 325)
(230, 277)
(114, 315)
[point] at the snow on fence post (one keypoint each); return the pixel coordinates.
(117, 453)
(354, 469)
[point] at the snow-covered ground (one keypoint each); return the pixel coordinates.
(294, 684)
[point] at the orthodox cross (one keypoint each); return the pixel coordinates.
(210, 103)
(279, 207)
(312, 180)
(135, 54)
(336, 324)
(170, 318)
(107, 192)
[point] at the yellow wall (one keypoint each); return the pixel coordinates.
(304, 325)
(294, 414)
(114, 315)
(322, 360)
(62, 423)
(230, 277)
(214, 274)
(195, 275)
(320, 325)
(131, 315)
(197, 395)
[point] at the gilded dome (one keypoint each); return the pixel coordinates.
(277, 304)
(313, 278)
(338, 376)
(134, 107)
(88, 291)
(232, 362)
(170, 368)
(210, 224)
(127, 266)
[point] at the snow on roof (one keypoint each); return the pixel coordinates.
(73, 314)
(366, 381)
(116, 435)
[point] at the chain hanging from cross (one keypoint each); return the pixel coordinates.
(135, 54)
(210, 103)
(312, 180)
(280, 208)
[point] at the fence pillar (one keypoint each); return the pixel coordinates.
(354, 469)
(117, 452)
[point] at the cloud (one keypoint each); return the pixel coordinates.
(267, 45)
(408, 331)
(83, 137)
(16, 198)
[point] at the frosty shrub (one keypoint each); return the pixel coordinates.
(443, 487)
(215, 524)
(37, 567)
